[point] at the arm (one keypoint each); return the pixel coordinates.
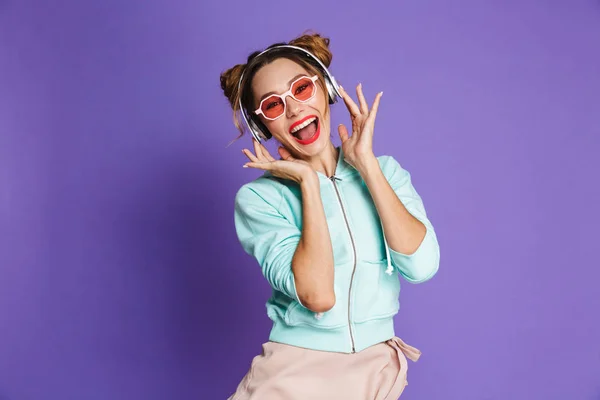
(298, 263)
(412, 241)
(413, 246)
(312, 264)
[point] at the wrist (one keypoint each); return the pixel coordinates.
(368, 167)
(310, 188)
(308, 178)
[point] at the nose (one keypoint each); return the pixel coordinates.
(292, 107)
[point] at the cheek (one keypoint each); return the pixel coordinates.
(323, 107)
(276, 127)
(322, 103)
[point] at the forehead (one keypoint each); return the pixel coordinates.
(275, 77)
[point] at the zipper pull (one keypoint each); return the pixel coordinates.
(333, 178)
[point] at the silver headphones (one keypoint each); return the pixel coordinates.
(259, 132)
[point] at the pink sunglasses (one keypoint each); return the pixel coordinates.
(302, 90)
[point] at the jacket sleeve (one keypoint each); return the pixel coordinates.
(268, 237)
(423, 264)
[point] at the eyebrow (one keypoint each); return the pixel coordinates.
(264, 96)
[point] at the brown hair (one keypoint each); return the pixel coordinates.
(313, 42)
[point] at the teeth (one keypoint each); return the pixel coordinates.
(304, 124)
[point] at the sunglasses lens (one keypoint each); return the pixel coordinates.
(303, 89)
(272, 107)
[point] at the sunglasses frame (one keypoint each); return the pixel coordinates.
(284, 96)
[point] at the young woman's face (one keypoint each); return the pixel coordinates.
(276, 78)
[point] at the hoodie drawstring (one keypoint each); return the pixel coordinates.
(390, 268)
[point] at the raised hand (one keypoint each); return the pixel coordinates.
(358, 147)
(287, 167)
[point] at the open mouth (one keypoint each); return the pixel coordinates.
(306, 131)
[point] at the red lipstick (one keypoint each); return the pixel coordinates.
(314, 137)
(295, 124)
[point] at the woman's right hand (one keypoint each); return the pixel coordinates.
(287, 167)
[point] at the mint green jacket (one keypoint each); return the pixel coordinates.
(268, 222)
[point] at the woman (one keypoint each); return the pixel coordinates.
(315, 222)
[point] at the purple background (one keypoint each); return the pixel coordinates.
(121, 275)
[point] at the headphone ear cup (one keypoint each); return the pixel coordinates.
(254, 130)
(331, 85)
(332, 95)
(259, 129)
(264, 131)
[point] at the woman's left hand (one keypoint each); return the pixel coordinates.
(358, 148)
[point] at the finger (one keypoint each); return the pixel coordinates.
(285, 154)
(343, 132)
(249, 154)
(258, 151)
(350, 104)
(266, 153)
(375, 107)
(364, 107)
(258, 165)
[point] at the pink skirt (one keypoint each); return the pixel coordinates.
(294, 373)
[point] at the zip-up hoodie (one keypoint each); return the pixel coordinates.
(268, 222)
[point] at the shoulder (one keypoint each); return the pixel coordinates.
(386, 160)
(390, 166)
(264, 190)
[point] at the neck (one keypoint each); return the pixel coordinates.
(326, 161)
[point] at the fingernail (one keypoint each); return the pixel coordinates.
(245, 166)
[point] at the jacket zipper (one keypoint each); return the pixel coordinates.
(333, 178)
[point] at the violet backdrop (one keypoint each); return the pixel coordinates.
(120, 273)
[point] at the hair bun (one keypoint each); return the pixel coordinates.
(230, 80)
(316, 44)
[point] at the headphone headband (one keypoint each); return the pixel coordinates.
(259, 132)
